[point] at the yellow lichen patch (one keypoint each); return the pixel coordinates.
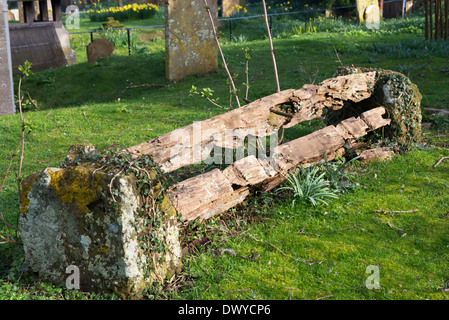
(77, 185)
(167, 207)
(27, 183)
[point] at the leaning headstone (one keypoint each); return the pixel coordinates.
(99, 48)
(229, 7)
(189, 40)
(6, 83)
(361, 7)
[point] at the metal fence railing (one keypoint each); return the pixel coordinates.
(230, 20)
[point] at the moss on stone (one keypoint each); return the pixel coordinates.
(397, 94)
(26, 185)
(78, 185)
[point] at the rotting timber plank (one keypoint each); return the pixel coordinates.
(263, 117)
(216, 191)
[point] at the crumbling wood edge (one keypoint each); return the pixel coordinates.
(214, 192)
(263, 117)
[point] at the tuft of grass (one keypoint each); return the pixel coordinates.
(308, 185)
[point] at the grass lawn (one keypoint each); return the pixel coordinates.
(278, 252)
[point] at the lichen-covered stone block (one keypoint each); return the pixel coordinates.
(396, 93)
(82, 215)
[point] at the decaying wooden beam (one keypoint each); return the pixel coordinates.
(192, 144)
(216, 191)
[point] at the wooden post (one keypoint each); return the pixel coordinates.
(28, 12)
(430, 19)
(426, 9)
(43, 8)
(446, 14)
(57, 10)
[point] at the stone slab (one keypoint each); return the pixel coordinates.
(6, 85)
(99, 48)
(189, 44)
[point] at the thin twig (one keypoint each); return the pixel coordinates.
(347, 228)
(238, 290)
(396, 228)
(110, 184)
(393, 211)
(32, 100)
(146, 85)
(247, 79)
(278, 88)
(44, 161)
(23, 137)
(439, 161)
(234, 90)
(213, 102)
(302, 232)
(338, 57)
(10, 163)
(309, 261)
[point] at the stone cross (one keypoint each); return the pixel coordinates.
(189, 40)
(6, 84)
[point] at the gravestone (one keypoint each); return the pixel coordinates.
(189, 40)
(361, 7)
(99, 48)
(6, 84)
(40, 37)
(229, 7)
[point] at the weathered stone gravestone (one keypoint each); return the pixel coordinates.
(99, 48)
(361, 7)
(229, 7)
(6, 83)
(40, 38)
(111, 217)
(189, 40)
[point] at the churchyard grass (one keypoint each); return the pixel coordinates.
(278, 252)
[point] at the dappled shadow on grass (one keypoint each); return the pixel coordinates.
(99, 82)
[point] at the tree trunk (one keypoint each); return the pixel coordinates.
(219, 190)
(263, 117)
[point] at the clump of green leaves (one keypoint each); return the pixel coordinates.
(320, 183)
(309, 185)
(206, 93)
(339, 180)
